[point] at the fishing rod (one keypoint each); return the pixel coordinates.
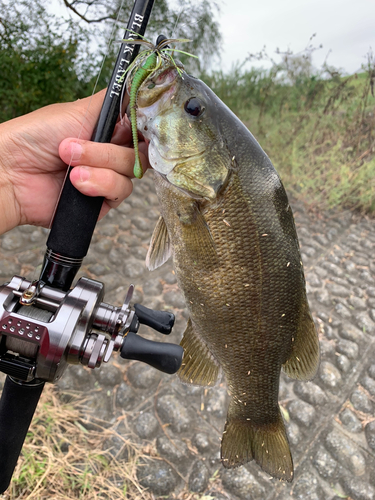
(45, 324)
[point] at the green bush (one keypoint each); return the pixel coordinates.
(40, 61)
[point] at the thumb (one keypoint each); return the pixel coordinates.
(87, 111)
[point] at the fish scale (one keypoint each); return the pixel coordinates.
(226, 220)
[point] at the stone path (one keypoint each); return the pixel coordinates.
(330, 421)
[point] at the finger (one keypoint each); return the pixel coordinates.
(104, 210)
(122, 134)
(143, 155)
(101, 182)
(109, 156)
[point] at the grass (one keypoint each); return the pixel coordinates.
(317, 126)
(67, 457)
(64, 458)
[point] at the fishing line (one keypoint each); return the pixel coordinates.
(174, 31)
(110, 40)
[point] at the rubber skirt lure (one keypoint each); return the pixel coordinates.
(140, 76)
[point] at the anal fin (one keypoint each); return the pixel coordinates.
(267, 444)
(303, 363)
(198, 365)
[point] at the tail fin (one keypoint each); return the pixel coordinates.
(268, 445)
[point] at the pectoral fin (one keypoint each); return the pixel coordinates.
(198, 366)
(160, 246)
(197, 238)
(303, 363)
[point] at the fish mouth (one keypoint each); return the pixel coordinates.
(165, 76)
(166, 72)
(155, 94)
(157, 87)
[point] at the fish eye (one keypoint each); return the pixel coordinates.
(193, 107)
(151, 86)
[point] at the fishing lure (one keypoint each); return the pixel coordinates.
(140, 76)
(142, 67)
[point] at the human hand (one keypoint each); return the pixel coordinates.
(36, 148)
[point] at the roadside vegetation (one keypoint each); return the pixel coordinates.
(68, 457)
(317, 126)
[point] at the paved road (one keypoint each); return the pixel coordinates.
(330, 421)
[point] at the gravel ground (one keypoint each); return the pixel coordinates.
(330, 421)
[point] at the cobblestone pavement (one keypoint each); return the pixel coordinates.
(330, 421)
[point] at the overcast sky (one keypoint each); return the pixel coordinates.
(346, 27)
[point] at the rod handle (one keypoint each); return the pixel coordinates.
(17, 406)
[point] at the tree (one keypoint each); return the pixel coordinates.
(192, 19)
(45, 58)
(39, 65)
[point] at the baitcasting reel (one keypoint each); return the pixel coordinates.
(43, 329)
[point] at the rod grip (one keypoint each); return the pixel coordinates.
(74, 222)
(17, 406)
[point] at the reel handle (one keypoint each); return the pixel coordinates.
(161, 321)
(163, 356)
(17, 406)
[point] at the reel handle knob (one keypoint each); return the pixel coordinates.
(161, 321)
(163, 356)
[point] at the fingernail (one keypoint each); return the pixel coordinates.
(84, 174)
(75, 151)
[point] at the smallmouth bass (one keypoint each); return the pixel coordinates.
(226, 221)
